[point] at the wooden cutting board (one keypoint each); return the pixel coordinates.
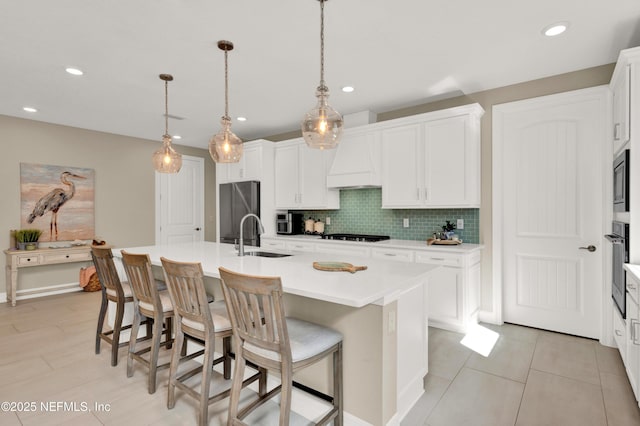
(337, 267)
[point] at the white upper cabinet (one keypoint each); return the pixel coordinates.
(250, 166)
(433, 161)
(401, 181)
(301, 177)
(621, 110)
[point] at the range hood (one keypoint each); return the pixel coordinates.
(358, 159)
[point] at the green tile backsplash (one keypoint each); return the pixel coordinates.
(361, 213)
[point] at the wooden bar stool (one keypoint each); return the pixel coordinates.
(198, 319)
(277, 343)
(151, 303)
(117, 292)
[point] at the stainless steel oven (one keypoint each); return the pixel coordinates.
(620, 239)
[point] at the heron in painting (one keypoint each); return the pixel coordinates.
(52, 202)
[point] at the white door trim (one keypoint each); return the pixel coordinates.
(600, 92)
(158, 205)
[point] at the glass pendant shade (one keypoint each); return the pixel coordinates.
(166, 159)
(225, 146)
(322, 126)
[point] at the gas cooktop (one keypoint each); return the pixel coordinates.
(355, 237)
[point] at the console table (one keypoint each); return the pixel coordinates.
(17, 259)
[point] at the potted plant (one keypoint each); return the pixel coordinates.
(27, 239)
(448, 230)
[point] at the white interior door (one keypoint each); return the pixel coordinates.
(550, 153)
(180, 203)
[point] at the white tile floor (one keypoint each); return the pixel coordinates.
(531, 377)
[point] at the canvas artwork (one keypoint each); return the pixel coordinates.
(58, 200)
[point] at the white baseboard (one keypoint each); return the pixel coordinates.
(43, 291)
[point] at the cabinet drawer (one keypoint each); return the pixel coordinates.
(28, 260)
(392, 254)
(66, 257)
(272, 244)
(299, 246)
(338, 249)
(619, 333)
(439, 258)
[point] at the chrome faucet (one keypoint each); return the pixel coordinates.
(260, 231)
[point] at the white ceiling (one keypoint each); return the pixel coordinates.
(396, 53)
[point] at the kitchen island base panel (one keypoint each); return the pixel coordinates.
(385, 353)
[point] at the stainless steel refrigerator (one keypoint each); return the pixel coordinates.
(236, 200)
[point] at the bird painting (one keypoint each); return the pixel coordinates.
(68, 220)
(52, 202)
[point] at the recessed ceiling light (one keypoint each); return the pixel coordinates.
(348, 89)
(242, 118)
(177, 137)
(74, 71)
(30, 109)
(555, 29)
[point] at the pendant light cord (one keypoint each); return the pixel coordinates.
(166, 108)
(322, 85)
(226, 85)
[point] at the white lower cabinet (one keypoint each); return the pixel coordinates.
(272, 243)
(632, 359)
(300, 246)
(620, 333)
(454, 289)
(340, 249)
(392, 254)
(453, 292)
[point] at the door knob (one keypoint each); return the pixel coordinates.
(591, 248)
(197, 229)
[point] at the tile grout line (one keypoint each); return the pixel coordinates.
(535, 347)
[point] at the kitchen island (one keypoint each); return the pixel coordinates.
(382, 313)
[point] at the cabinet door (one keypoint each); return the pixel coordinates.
(249, 166)
(621, 109)
(286, 177)
(633, 345)
(445, 297)
(314, 164)
(401, 162)
(451, 163)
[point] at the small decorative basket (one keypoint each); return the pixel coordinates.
(93, 284)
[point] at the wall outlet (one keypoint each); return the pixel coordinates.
(405, 223)
(328, 220)
(460, 224)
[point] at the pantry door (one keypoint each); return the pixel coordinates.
(180, 203)
(548, 204)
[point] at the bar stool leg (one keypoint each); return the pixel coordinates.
(135, 326)
(173, 367)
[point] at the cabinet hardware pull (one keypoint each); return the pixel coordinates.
(618, 333)
(631, 286)
(437, 258)
(426, 194)
(417, 193)
(616, 131)
(591, 248)
(390, 254)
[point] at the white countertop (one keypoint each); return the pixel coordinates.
(401, 244)
(380, 284)
(633, 269)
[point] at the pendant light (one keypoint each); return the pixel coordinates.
(322, 126)
(225, 146)
(166, 159)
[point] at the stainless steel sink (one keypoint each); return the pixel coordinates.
(265, 254)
